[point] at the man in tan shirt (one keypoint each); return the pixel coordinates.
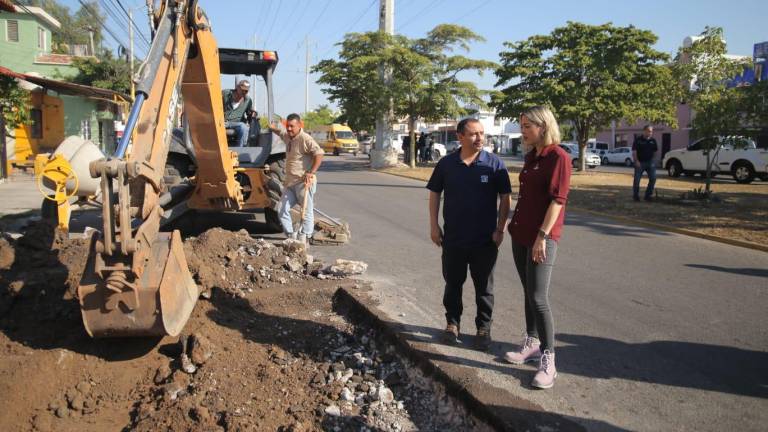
(303, 157)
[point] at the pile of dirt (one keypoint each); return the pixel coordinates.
(44, 261)
(237, 263)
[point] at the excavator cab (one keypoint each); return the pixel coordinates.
(264, 154)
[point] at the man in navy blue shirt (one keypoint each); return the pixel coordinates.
(473, 181)
(643, 150)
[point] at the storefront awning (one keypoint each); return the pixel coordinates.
(67, 88)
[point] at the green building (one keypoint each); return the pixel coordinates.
(25, 47)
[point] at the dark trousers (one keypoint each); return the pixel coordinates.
(650, 168)
(481, 260)
(535, 279)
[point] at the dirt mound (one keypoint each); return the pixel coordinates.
(42, 261)
(237, 263)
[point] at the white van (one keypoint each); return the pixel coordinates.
(598, 147)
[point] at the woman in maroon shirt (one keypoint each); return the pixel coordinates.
(535, 230)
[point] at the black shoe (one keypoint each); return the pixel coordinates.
(451, 334)
(483, 339)
(636, 198)
(649, 199)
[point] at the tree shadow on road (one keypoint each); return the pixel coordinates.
(679, 364)
(757, 272)
(607, 227)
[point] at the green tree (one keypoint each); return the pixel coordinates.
(424, 81)
(104, 72)
(14, 103)
(589, 75)
(322, 115)
(718, 109)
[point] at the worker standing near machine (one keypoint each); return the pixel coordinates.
(302, 160)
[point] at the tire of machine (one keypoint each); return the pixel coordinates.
(275, 178)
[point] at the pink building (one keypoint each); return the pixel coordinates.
(622, 135)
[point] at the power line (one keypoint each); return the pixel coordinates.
(113, 14)
(298, 20)
(416, 15)
(272, 26)
(290, 15)
(131, 22)
(359, 17)
(103, 25)
(312, 26)
(465, 15)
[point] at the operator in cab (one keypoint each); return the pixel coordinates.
(238, 108)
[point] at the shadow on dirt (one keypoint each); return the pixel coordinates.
(37, 306)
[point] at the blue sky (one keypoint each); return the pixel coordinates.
(282, 25)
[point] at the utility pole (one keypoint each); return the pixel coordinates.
(130, 49)
(253, 77)
(383, 155)
(306, 75)
(3, 149)
(90, 36)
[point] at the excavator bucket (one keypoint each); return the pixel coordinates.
(157, 303)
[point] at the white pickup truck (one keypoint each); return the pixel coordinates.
(736, 156)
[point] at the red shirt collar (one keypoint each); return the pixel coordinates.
(544, 152)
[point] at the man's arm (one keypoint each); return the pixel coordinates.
(309, 176)
(634, 153)
(434, 211)
(504, 204)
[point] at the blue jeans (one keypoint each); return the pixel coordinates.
(650, 168)
(241, 132)
(293, 195)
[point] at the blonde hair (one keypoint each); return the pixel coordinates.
(542, 117)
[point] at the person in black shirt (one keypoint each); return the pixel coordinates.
(643, 150)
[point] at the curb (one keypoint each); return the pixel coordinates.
(682, 231)
(512, 414)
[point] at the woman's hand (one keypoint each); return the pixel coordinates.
(539, 251)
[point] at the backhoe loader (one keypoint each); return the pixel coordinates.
(136, 282)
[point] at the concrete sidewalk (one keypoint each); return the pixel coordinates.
(19, 194)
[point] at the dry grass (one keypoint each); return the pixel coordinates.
(742, 214)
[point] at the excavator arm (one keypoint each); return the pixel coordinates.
(136, 282)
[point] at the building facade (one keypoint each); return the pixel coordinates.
(25, 47)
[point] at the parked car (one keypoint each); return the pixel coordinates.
(438, 151)
(592, 159)
(366, 144)
(737, 156)
(619, 155)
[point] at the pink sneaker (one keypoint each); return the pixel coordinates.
(528, 352)
(545, 377)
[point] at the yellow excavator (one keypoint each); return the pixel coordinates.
(136, 282)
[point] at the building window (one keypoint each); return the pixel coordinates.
(85, 129)
(12, 29)
(36, 117)
(41, 38)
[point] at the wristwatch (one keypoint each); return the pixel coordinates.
(544, 235)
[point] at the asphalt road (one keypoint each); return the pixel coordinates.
(655, 331)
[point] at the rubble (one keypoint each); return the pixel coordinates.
(344, 267)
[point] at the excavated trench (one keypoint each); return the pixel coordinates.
(277, 342)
